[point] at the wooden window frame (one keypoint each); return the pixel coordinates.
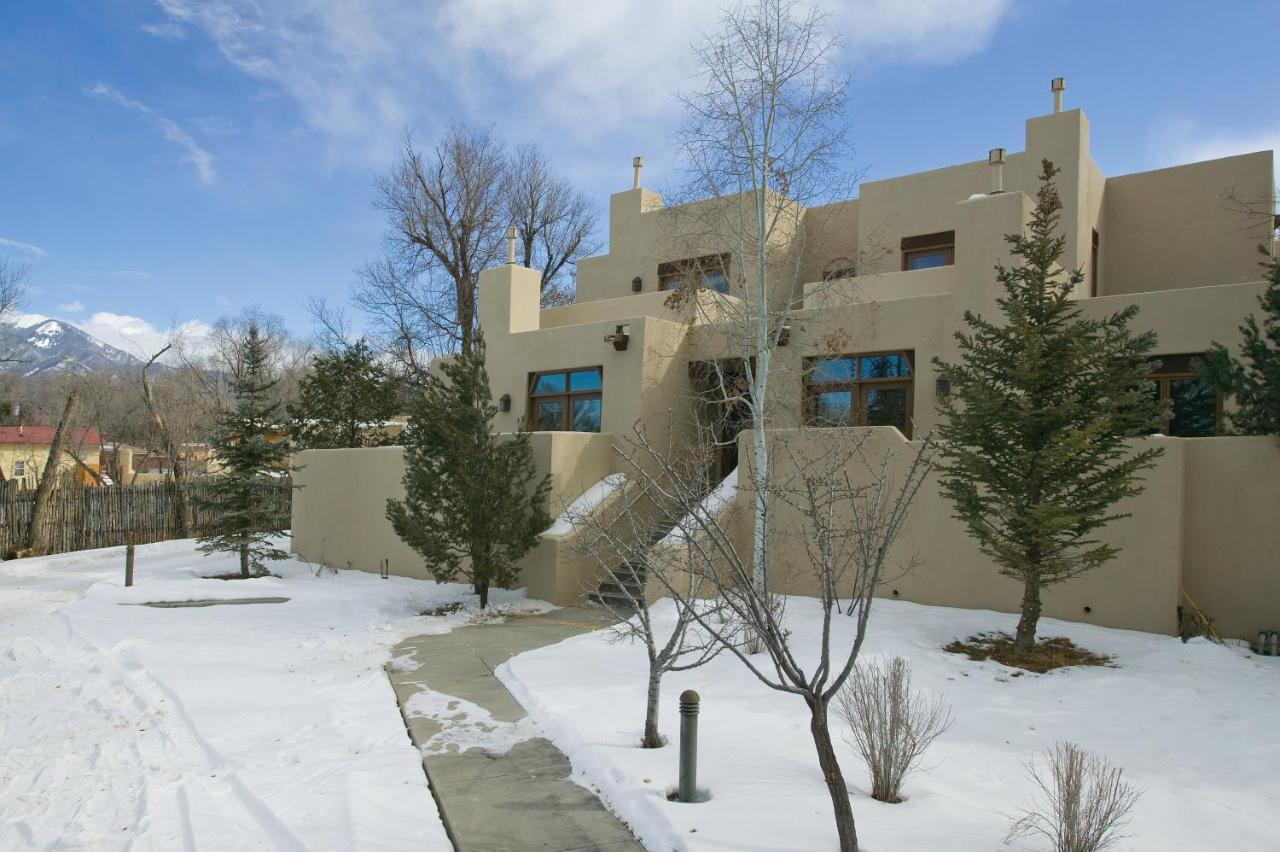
(675, 273)
(1180, 366)
(566, 396)
(857, 387)
(944, 241)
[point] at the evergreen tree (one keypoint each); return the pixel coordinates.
(473, 505)
(242, 444)
(347, 392)
(1033, 452)
(1254, 379)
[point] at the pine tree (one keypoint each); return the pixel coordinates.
(473, 504)
(346, 391)
(242, 444)
(1254, 379)
(1033, 452)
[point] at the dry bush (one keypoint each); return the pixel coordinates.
(1082, 802)
(890, 725)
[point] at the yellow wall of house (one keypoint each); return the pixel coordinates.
(34, 457)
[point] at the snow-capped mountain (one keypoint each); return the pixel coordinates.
(55, 346)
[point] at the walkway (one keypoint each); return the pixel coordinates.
(499, 785)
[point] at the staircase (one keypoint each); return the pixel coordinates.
(619, 590)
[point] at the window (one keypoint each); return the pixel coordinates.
(1196, 407)
(872, 389)
(929, 250)
(565, 400)
(1093, 266)
(710, 271)
(19, 468)
(841, 267)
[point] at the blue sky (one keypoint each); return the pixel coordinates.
(172, 161)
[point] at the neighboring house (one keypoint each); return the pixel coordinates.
(889, 277)
(136, 465)
(24, 450)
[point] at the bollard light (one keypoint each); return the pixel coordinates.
(689, 702)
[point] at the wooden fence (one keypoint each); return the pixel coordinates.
(84, 518)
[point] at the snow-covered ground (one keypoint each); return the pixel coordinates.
(1195, 725)
(264, 726)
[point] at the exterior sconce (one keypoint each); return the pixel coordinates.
(784, 335)
(942, 387)
(504, 402)
(636, 284)
(619, 338)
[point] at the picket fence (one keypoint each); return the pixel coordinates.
(81, 518)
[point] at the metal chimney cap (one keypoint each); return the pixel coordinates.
(637, 162)
(1058, 84)
(995, 157)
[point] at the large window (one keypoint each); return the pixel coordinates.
(929, 250)
(872, 389)
(1196, 407)
(565, 400)
(710, 271)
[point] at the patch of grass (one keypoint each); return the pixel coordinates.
(443, 609)
(1048, 654)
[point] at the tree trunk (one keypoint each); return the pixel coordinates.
(1025, 640)
(482, 589)
(652, 739)
(244, 559)
(49, 481)
(845, 828)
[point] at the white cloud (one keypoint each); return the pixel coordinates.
(200, 159)
(1182, 141)
(361, 70)
(75, 307)
(27, 250)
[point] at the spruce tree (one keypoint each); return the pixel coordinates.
(344, 400)
(1254, 378)
(235, 495)
(473, 504)
(1033, 452)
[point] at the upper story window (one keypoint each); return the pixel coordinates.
(841, 267)
(929, 250)
(1196, 406)
(710, 271)
(871, 389)
(565, 400)
(19, 468)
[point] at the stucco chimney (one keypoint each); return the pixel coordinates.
(637, 163)
(995, 157)
(511, 244)
(1057, 86)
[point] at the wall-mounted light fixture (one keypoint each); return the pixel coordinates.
(504, 402)
(636, 284)
(784, 335)
(942, 387)
(620, 337)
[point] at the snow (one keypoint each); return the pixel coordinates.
(1193, 725)
(264, 726)
(585, 504)
(720, 498)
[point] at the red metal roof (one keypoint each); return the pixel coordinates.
(39, 436)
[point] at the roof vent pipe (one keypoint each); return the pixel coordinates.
(637, 163)
(995, 158)
(511, 244)
(1057, 87)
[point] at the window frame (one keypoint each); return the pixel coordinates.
(567, 397)
(857, 387)
(19, 474)
(1174, 367)
(675, 273)
(925, 244)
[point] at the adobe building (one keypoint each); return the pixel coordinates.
(878, 285)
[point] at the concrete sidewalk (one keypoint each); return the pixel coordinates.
(499, 785)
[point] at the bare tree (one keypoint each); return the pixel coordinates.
(638, 543)
(13, 292)
(764, 137)
(890, 725)
(555, 223)
(49, 480)
(1082, 802)
(169, 440)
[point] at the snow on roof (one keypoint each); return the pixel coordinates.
(585, 504)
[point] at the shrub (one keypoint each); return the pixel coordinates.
(890, 725)
(1082, 802)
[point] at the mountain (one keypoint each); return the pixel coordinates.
(52, 346)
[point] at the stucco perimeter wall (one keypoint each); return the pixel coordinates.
(936, 562)
(339, 512)
(1232, 532)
